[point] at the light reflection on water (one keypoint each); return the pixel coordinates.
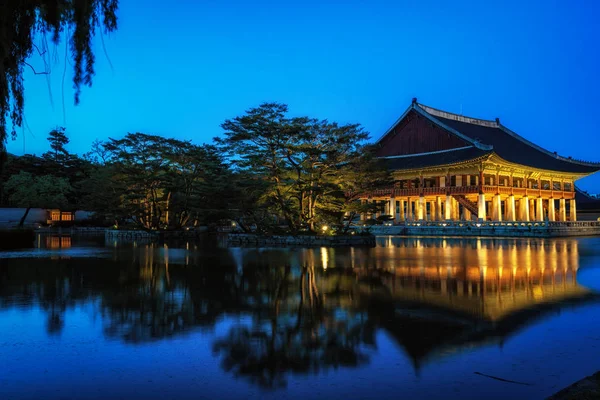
(412, 315)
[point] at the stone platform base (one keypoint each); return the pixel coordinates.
(490, 229)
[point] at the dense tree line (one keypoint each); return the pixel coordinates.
(268, 172)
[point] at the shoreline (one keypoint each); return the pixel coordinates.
(587, 388)
(256, 240)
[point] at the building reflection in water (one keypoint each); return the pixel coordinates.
(55, 241)
(448, 294)
(489, 279)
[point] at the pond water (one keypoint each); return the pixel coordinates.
(415, 318)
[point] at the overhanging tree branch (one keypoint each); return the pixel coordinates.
(34, 71)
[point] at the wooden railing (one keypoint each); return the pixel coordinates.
(516, 224)
(464, 190)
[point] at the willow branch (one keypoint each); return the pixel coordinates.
(34, 71)
(41, 53)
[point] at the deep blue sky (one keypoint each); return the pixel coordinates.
(181, 70)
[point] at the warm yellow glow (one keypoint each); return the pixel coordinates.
(324, 257)
(492, 279)
(324, 228)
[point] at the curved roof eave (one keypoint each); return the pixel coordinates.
(548, 171)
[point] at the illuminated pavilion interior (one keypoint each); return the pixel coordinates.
(451, 167)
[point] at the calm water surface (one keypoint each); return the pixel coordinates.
(415, 318)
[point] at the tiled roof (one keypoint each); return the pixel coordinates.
(516, 150)
(585, 201)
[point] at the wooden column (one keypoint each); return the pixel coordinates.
(551, 208)
(481, 215)
(456, 211)
(510, 208)
(562, 210)
(481, 180)
(497, 208)
(539, 213)
(448, 208)
(421, 208)
(573, 213)
(438, 208)
(392, 208)
(524, 207)
(532, 216)
(401, 214)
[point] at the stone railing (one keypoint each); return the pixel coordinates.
(479, 224)
(575, 224)
(491, 228)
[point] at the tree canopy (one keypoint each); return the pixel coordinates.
(306, 164)
(23, 23)
(58, 140)
(45, 191)
(269, 172)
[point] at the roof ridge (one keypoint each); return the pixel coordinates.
(470, 120)
(543, 150)
(432, 117)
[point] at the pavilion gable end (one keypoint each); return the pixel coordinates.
(416, 134)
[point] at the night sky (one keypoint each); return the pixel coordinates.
(179, 70)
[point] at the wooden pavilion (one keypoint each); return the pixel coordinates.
(451, 167)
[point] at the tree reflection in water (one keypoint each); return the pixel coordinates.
(307, 330)
(305, 311)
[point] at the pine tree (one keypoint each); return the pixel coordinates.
(58, 140)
